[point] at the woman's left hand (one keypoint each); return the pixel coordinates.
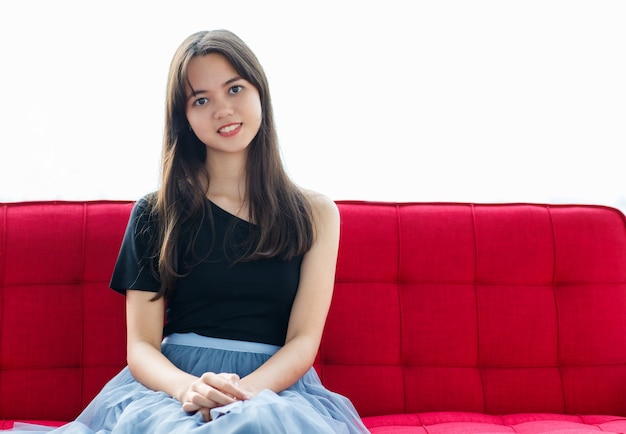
(212, 390)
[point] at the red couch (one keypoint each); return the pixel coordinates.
(446, 318)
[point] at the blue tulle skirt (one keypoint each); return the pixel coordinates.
(126, 406)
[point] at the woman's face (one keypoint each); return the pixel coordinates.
(223, 109)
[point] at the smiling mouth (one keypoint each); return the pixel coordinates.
(228, 128)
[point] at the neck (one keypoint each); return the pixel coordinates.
(227, 180)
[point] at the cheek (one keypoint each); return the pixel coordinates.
(189, 117)
(255, 103)
(259, 111)
(193, 120)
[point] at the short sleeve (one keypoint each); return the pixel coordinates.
(133, 268)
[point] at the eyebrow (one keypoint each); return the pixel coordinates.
(195, 92)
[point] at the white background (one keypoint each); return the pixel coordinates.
(471, 101)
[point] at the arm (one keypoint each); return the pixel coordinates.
(152, 369)
(310, 307)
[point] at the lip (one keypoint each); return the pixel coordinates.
(233, 128)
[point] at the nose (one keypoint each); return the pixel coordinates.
(223, 108)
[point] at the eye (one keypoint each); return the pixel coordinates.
(235, 89)
(201, 101)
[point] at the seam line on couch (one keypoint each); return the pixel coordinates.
(3, 258)
(478, 367)
(83, 302)
(3, 245)
(399, 295)
(556, 307)
(453, 282)
(59, 283)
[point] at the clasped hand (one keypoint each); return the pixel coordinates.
(210, 391)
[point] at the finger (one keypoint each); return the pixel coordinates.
(205, 396)
(191, 407)
(206, 414)
(232, 378)
(210, 397)
(196, 401)
(225, 384)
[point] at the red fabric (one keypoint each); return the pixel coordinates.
(445, 318)
(464, 423)
(512, 308)
(61, 328)
(8, 424)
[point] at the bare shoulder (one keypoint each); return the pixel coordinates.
(325, 210)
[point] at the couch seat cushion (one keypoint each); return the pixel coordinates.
(471, 423)
(8, 424)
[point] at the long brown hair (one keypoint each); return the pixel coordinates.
(276, 205)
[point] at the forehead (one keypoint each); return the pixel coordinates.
(209, 70)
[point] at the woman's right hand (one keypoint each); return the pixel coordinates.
(210, 391)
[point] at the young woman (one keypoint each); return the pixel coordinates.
(238, 260)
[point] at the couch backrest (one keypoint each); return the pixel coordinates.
(62, 331)
(490, 308)
(505, 308)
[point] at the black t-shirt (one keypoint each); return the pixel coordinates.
(216, 297)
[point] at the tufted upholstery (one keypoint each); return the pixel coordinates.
(497, 309)
(61, 328)
(445, 318)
